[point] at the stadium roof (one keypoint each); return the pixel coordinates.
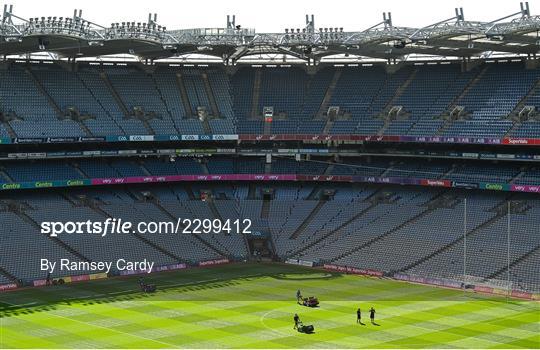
(76, 37)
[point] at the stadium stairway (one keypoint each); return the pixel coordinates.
(190, 193)
(164, 101)
(121, 104)
(78, 169)
(387, 170)
(447, 123)
(518, 176)
(206, 126)
(204, 168)
(213, 209)
(42, 90)
(429, 207)
(8, 275)
(401, 89)
(25, 217)
(104, 213)
(10, 130)
(217, 215)
(265, 209)
(328, 127)
(183, 94)
(4, 175)
(148, 127)
(98, 101)
(252, 191)
(447, 173)
(500, 213)
(114, 94)
(174, 219)
(268, 168)
(519, 106)
(210, 94)
(323, 109)
(143, 167)
(256, 93)
(308, 219)
(314, 194)
(127, 114)
(267, 128)
(515, 126)
(329, 170)
(336, 230)
(65, 195)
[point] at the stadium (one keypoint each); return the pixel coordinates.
(198, 188)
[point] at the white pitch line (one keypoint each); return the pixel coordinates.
(261, 319)
(110, 329)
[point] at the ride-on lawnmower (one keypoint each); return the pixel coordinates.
(311, 301)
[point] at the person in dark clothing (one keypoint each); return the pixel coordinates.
(296, 321)
(298, 296)
(372, 315)
(359, 316)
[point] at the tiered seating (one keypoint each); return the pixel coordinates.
(127, 168)
(364, 94)
(220, 84)
(355, 93)
(231, 243)
(242, 90)
(484, 173)
(195, 89)
(486, 247)
(427, 97)
(360, 227)
(23, 247)
(19, 94)
(182, 166)
(529, 177)
(373, 223)
(96, 169)
(184, 246)
(54, 170)
(108, 248)
(69, 91)
(521, 273)
(137, 89)
(491, 99)
(165, 80)
(284, 89)
(315, 92)
(91, 79)
(4, 132)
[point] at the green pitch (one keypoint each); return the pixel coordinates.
(252, 305)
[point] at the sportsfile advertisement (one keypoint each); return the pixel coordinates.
(269, 175)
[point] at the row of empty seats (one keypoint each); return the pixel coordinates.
(137, 100)
(390, 228)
